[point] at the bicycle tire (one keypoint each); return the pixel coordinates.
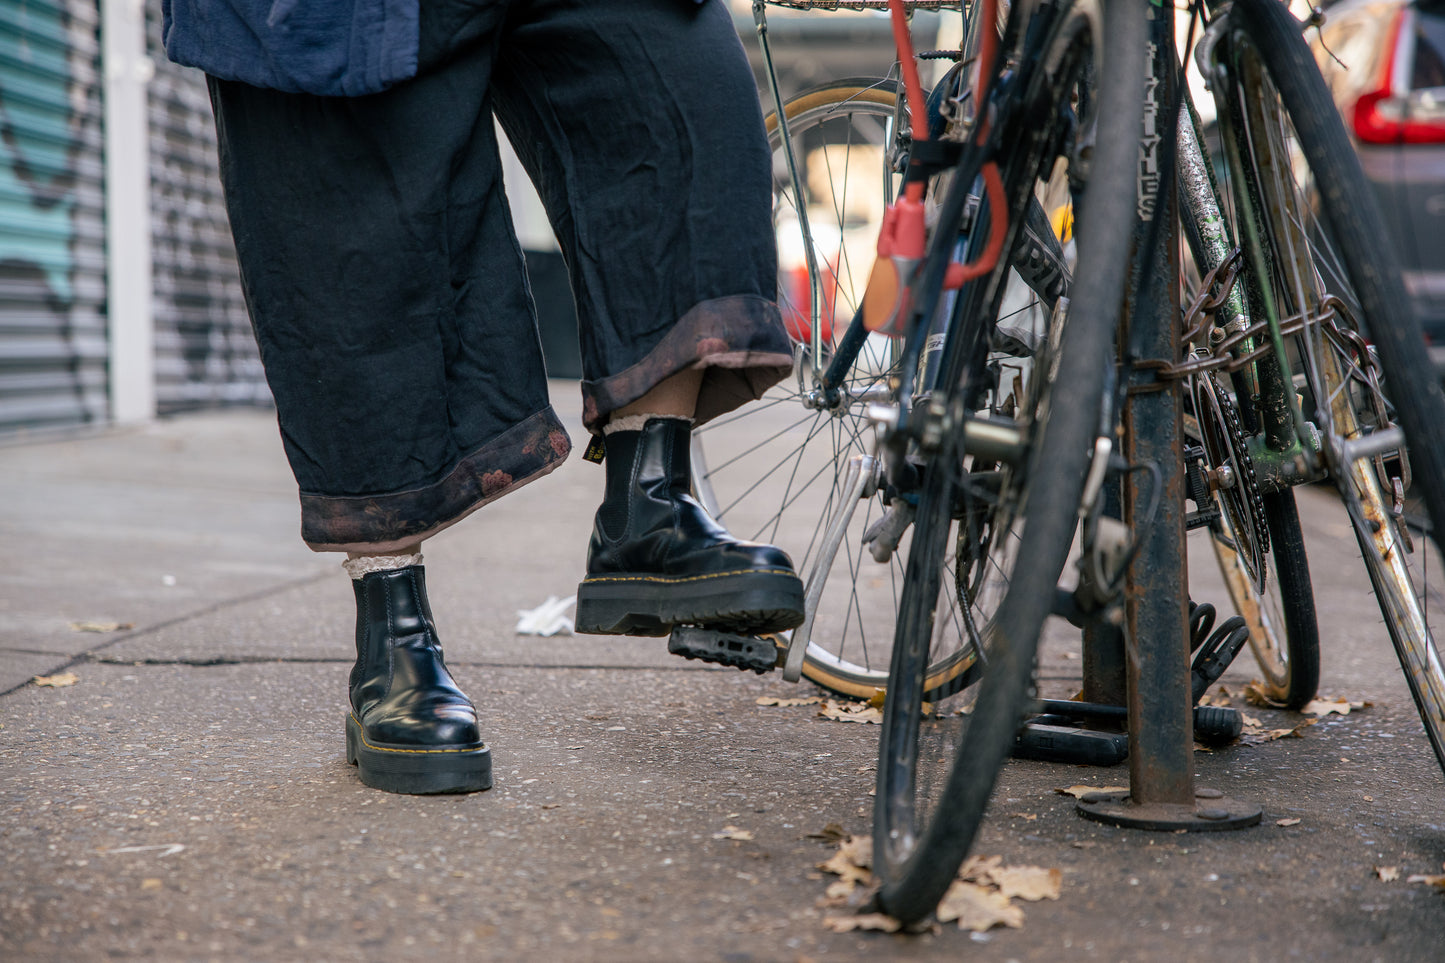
(775, 471)
(1274, 597)
(1283, 631)
(920, 838)
(1265, 39)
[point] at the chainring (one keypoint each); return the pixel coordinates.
(1225, 446)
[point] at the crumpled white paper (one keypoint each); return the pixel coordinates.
(549, 618)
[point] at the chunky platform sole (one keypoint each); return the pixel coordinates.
(418, 772)
(747, 603)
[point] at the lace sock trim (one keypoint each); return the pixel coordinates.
(637, 422)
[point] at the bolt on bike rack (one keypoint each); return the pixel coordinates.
(1153, 650)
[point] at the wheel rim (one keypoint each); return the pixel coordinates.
(773, 471)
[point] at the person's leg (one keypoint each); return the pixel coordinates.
(388, 294)
(391, 307)
(638, 121)
(674, 396)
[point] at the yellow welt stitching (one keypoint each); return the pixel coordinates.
(361, 733)
(688, 578)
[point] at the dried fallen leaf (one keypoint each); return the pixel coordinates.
(840, 865)
(1218, 697)
(833, 833)
(858, 850)
(733, 832)
(1029, 817)
(1436, 881)
(1287, 821)
(978, 909)
(57, 680)
(840, 889)
(84, 626)
(151, 883)
(1253, 737)
(1387, 874)
(776, 701)
(850, 712)
(979, 869)
(865, 921)
(1079, 792)
(1031, 883)
(1256, 693)
(1323, 707)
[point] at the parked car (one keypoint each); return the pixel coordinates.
(1384, 61)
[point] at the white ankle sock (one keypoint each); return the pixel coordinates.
(363, 565)
(637, 422)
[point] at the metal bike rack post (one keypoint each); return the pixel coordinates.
(1161, 793)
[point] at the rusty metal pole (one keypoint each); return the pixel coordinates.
(1161, 732)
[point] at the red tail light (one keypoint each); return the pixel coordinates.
(1382, 117)
(797, 293)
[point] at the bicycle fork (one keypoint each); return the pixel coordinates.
(858, 484)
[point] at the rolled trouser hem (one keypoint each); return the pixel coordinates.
(384, 523)
(738, 342)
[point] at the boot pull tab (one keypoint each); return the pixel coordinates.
(596, 450)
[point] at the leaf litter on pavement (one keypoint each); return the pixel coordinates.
(981, 897)
(1256, 694)
(777, 701)
(851, 712)
(837, 710)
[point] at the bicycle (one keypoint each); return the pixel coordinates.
(840, 150)
(1279, 122)
(961, 496)
(1309, 278)
(989, 430)
(985, 396)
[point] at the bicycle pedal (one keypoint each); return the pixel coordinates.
(1215, 655)
(724, 648)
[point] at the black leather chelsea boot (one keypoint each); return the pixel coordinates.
(657, 560)
(411, 730)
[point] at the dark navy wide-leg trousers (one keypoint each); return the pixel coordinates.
(388, 291)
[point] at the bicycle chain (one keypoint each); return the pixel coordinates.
(1246, 480)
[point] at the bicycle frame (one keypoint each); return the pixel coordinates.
(825, 382)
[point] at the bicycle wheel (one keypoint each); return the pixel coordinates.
(1283, 632)
(1257, 542)
(1010, 524)
(777, 471)
(1318, 252)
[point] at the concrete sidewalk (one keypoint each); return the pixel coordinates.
(188, 797)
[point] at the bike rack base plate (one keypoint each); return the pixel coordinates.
(1212, 812)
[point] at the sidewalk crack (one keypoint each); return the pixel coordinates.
(89, 655)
